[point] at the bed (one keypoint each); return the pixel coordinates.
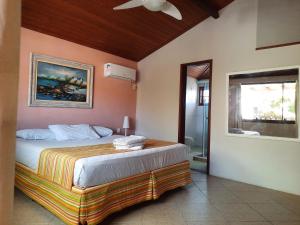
(101, 184)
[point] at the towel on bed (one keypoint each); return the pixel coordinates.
(132, 147)
(132, 139)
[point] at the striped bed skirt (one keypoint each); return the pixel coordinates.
(92, 205)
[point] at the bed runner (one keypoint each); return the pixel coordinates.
(57, 164)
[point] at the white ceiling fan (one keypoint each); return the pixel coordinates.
(153, 5)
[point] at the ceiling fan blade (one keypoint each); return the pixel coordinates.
(129, 5)
(171, 10)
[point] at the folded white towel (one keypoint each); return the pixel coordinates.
(138, 147)
(132, 139)
(130, 145)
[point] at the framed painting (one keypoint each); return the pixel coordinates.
(61, 83)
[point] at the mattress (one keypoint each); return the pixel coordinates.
(103, 169)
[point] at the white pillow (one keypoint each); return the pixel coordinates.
(103, 131)
(73, 132)
(36, 134)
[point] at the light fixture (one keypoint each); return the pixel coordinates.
(126, 124)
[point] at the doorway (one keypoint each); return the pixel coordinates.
(195, 112)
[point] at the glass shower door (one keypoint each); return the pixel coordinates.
(197, 112)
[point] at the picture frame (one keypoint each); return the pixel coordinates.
(57, 82)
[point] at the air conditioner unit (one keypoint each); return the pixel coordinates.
(119, 72)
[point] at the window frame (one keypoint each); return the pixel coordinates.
(249, 73)
(201, 96)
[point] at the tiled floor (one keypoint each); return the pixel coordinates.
(197, 165)
(208, 201)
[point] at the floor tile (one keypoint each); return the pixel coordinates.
(209, 223)
(209, 185)
(221, 196)
(250, 223)
(275, 212)
(254, 196)
(285, 223)
(240, 187)
(196, 176)
(269, 208)
(201, 212)
(208, 201)
(239, 212)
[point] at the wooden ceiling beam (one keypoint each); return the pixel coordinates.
(209, 8)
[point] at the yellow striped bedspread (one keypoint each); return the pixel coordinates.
(92, 205)
(57, 164)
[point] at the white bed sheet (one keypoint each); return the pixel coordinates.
(102, 169)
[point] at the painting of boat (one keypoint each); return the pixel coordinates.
(60, 83)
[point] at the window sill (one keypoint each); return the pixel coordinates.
(270, 121)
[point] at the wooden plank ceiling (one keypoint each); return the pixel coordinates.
(132, 34)
(198, 71)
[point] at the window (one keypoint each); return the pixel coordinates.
(264, 103)
(203, 96)
(269, 102)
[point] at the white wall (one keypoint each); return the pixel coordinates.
(230, 41)
(278, 24)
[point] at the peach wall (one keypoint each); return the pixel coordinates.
(113, 98)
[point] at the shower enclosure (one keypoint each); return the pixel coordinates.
(196, 124)
(203, 116)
